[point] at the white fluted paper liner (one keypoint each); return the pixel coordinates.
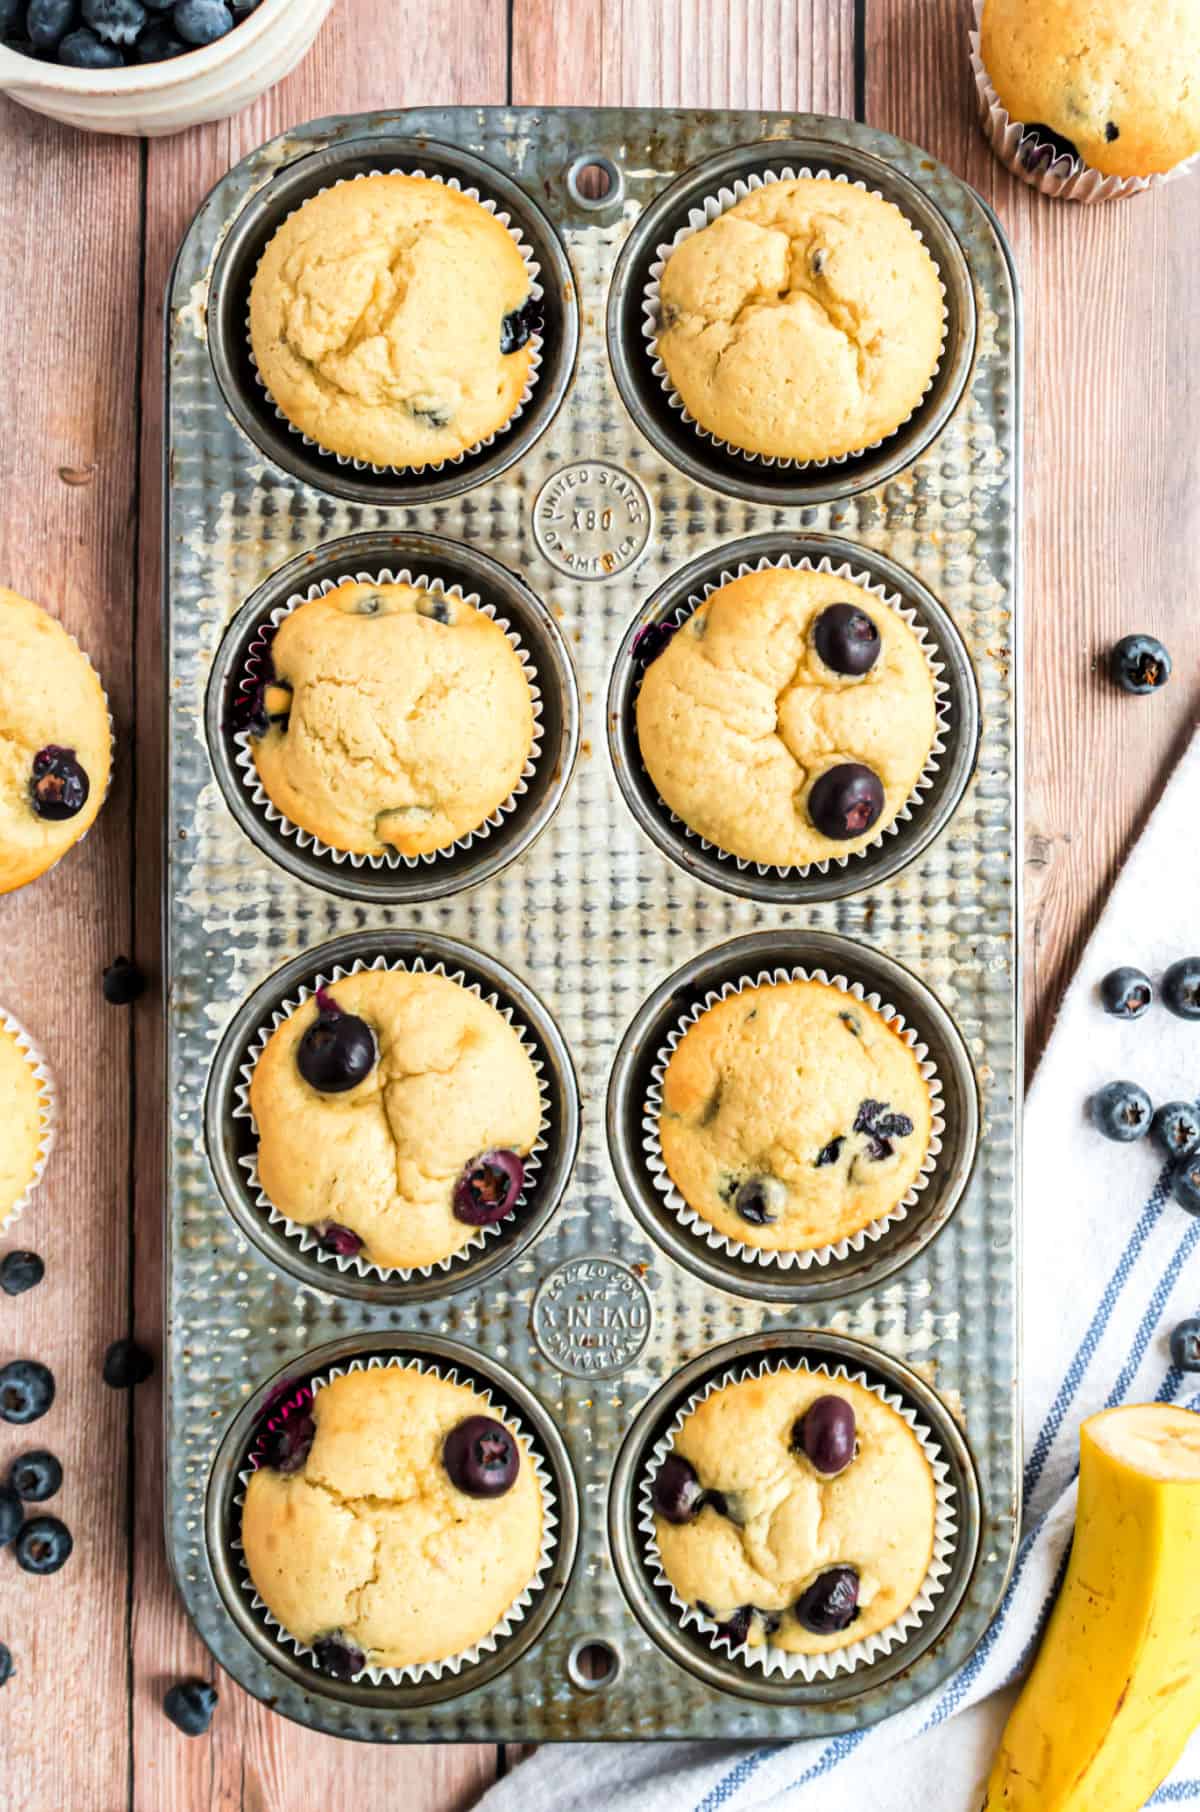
(536, 290)
(694, 1221)
(391, 858)
(777, 1661)
(453, 1664)
(306, 1237)
(699, 217)
(1064, 178)
(47, 1113)
(941, 695)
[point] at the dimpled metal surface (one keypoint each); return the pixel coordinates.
(594, 918)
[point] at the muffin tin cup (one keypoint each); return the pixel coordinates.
(47, 1114)
(778, 1661)
(1019, 149)
(690, 202)
(244, 739)
(442, 565)
(709, 209)
(864, 1259)
(392, 1690)
(232, 1139)
(743, 1250)
(245, 392)
(943, 778)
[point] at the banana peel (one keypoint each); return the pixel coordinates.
(1114, 1693)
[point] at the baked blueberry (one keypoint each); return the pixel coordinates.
(1139, 663)
(830, 1603)
(1185, 1345)
(828, 1154)
(1126, 993)
(1185, 1183)
(26, 1390)
(126, 1364)
(650, 641)
(678, 1494)
(1042, 146)
(343, 1242)
(735, 1629)
(82, 49)
(201, 21)
(1176, 1127)
(881, 1128)
(122, 982)
(1121, 1111)
(1181, 988)
(158, 43)
(338, 1656)
(20, 1271)
(285, 1447)
(846, 639)
(59, 787)
(438, 608)
(517, 327)
(481, 1457)
(49, 20)
(35, 1476)
(338, 1050)
(44, 1545)
(115, 21)
(489, 1188)
(12, 1515)
(6, 1664)
(845, 801)
(826, 1433)
(190, 1705)
(760, 1199)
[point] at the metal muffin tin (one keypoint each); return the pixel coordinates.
(592, 1315)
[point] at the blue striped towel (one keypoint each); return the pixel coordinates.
(1108, 1269)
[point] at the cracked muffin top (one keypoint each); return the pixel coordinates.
(798, 1509)
(803, 323)
(55, 743)
(394, 1112)
(788, 720)
(23, 1120)
(390, 320)
(793, 1114)
(396, 1523)
(397, 718)
(1119, 83)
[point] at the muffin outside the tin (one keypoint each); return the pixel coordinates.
(803, 323)
(395, 718)
(26, 1118)
(790, 717)
(390, 320)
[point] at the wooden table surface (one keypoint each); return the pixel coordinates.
(88, 227)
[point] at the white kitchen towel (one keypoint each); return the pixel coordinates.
(1109, 1266)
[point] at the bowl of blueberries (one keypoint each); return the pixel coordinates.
(149, 66)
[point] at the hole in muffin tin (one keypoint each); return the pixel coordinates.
(651, 1604)
(723, 468)
(229, 1139)
(595, 183)
(228, 302)
(593, 1664)
(289, 1671)
(453, 563)
(880, 861)
(744, 957)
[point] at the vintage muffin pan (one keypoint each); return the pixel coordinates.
(590, 918)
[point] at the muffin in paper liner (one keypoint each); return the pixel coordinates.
(776, 1661)
(420, 1670)
(709, 210)
(941, 692)
(260, 649)
(47, 1114)
(306, 1236)
(694, 1221)
(1055, 174)
(535, 339)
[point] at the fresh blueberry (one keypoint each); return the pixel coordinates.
(1139, 663)
(1042, 146)
(115, 21)
(202, 21)
(481, 1457)
(517, 327)
(1185, 1345)
(826, 1433)
(343, 1242)
(82, 49)
(1121, 1110)
(190, 1706)
(158, 44)
(1185, 1183)
(6, 1664)
(338, 1049)
(59, 787)
(830, 1603)
(35, 1476)
(44, 1545)
(12, 1515)
(489, 1188)
(126, 1364)
(26, 1390)
(846, 639)
(1181, 988)
(122, 982)
(20, 1271)
(285, 1448)
(338, 1656)
(760, 1199)
(158, 6)
(1126, 993)
(49, 20)
(1176, 1126)
(678, 1494)
(10, 13)
(845, 801)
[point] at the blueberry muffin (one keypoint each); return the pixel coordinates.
(1113, 84)
(789, 719)
(793, 1115)
(394, 1114)
(391, 321)
(24, 1119)
(55, 743)
(803, 323)
(395, 719)
(396, 1523)
(796, 1509)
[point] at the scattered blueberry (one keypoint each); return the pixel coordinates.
(82, 49)
(1185, 1345)
(126, 1364)
(830, 1603)
(1139, 663)
(115, 21)
(285, 1448)
(1181, 988)
(516, 328)
(157, 44)
(846, 639)
(26, 1390)
(489, 1188)
(20, 1271)
(1176, 1126)
(1185, 1183)
(845, 800)
(481, 1457)
(59, 787)
(190, 1705)
(1042, 146)
(1126, 993)
(343, 1242)
(10, 12)
(49, 20)
(338, 1656)
(338, 1049)
(35, 1476)
(202, 21)
(1121, 1111)
(122, 982)
(12, 1515)
(826, 1433)
(6, 1664)
(44, 1545)
(678, 1494)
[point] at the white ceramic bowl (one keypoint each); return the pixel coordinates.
(156, 98)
